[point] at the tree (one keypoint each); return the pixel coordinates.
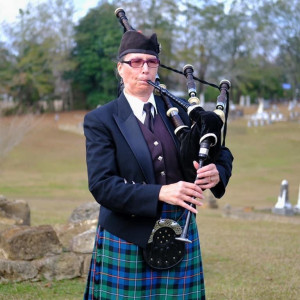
(41, 41)
(201, 37)
(283, 20)
(97, 39)
(7, 62)
(32, 78)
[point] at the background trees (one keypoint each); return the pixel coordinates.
(97, 38)
(48, 56)
(39, 45)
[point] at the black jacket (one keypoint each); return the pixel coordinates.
(120, 172)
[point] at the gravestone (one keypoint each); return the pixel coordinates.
(297, 206)
(283, 206)
(248, 101)
(242, 100)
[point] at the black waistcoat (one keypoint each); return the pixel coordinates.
(163, 151)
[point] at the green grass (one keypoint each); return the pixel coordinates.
(44, 290)
(250, 256)
(250, 259)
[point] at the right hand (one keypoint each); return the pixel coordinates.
(182, 193)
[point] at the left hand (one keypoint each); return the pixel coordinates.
(207, 176)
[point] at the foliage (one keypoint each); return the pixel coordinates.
(97, 39)
(32, 75)
(7, 61)
(40, 43)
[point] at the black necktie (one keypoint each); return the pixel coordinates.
(149, 118)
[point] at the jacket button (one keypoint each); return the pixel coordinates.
(155, 143)
(160, 158)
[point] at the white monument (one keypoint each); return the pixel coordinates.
(283, 206)
(261, 117)
(297, 206)
(242, 100)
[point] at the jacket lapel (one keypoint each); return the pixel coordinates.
(128, 125)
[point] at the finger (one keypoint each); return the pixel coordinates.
(209, 168)
(208, 176)
(196, 193)
(192, 199)
(189, 188)
(201, 181)
(204, 178)
(189, 207)
(206, 168)
(193, 195)
(196, 165)
(207, 185)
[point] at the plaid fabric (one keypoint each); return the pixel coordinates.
(118, 270)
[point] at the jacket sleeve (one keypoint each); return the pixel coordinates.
(106, 152)
(224, 166)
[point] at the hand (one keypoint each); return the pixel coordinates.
(208, 176)
(180, 193)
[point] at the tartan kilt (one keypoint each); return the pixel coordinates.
(118, 270)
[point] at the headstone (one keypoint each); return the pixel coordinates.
(248, 101)
(283, 206)
(242, 100)
(260, 108)
(297, 206)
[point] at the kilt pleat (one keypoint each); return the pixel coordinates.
(118, 270)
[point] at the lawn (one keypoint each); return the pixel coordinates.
(250, 254)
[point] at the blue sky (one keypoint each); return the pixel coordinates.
(10, 9)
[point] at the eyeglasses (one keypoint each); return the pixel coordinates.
(139, 63)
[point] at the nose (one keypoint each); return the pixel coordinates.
(145, 66)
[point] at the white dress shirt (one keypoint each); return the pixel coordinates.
(137, 106)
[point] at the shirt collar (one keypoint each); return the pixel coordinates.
(137, 106)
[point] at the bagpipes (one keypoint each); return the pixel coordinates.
(201, 142)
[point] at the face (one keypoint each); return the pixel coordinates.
(135, 79)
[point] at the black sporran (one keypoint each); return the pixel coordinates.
(163, 251)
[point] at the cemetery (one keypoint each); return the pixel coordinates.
(261, 205)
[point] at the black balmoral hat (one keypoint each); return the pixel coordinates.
(136, 42)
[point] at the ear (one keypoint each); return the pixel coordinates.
(120, 68)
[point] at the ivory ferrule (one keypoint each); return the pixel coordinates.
(171, 111)
(179, 128)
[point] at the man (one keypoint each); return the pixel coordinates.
(135, 174)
